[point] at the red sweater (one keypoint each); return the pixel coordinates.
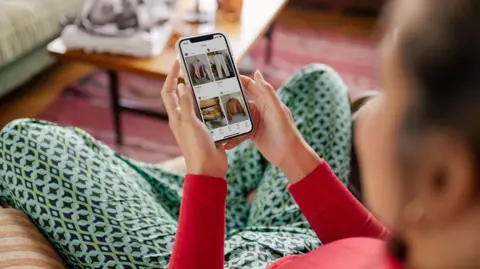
(352, 237)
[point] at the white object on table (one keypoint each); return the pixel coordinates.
(141, 44)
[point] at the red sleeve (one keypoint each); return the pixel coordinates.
(332, 211)
(201, 229)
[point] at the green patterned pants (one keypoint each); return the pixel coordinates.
(102, 210)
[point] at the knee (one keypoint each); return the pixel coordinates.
(317, 79)
(24, 138)
(318, 69)
(325, 76)
(12, 132)
(10, 142)
(15, 127)
(20, 132)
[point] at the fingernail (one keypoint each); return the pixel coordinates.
(258, 75)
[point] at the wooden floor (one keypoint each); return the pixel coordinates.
(35, 96)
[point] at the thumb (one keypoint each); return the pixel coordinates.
(186, 101)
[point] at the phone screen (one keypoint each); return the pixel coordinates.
(216, 86)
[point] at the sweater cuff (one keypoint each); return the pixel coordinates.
(212, 188)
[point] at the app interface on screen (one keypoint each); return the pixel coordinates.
(212, 75)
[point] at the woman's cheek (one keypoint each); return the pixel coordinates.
(375, 145)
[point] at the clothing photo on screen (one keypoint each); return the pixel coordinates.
(234, 107)
(221, 64)
(212, 113)
(199, 69)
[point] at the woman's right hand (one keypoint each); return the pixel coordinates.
(275, 134)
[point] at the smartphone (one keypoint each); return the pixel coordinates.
(209, 68)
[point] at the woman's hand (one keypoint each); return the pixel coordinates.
(275, 134)
(202, 156)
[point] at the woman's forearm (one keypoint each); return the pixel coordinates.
(301, 161)
(332, 211)
(199, 241)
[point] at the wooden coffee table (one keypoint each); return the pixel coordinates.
(256, 22)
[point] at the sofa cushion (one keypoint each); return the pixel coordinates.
(24, 24)
(22, 245)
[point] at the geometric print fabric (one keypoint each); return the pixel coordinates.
(102, 210)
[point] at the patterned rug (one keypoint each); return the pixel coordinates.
(86, 104)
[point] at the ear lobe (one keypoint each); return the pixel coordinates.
(449, 176)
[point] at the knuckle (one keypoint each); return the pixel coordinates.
(270, 90)
(267, 86)
(186, 98)
(190, 119)
(162, 94)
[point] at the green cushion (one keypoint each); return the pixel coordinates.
(24, 68)
(24, 24)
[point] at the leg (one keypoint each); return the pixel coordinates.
(95, 207)
(245, 171)
(319, 102)
(276, 227)
(256, 249)
(115, 104)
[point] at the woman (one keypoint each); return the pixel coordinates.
(419, 148)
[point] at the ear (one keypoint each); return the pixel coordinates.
(446, 183)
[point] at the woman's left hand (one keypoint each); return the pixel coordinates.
(202, 156)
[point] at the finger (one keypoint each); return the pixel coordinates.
(254, 111)
(246, 82)
(252, 105)
(262, 85)
(172, 77)
(221, 148)
(249, 86)
(256, 119)
(186, 101)
(169, 94)
(287, 110)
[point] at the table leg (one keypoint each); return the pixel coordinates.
(269, 37)
(115, 104)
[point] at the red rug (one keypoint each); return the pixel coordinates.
(86, 104)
